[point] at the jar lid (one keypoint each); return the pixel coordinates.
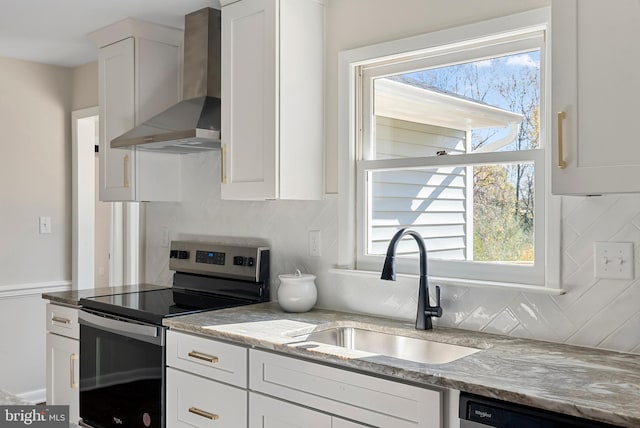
(297, 275)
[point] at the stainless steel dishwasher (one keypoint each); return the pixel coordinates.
(478, 412)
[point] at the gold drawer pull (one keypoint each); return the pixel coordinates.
(223, 166)
(561, 163)
(204, 414)
(60, 320)
(72, 371)
(205, 357)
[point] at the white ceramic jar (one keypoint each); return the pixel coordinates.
(297, 292)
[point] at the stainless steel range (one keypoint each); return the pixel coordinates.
(122, 355)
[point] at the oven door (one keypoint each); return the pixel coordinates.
(121, 372)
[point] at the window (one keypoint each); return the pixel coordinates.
(449, 140)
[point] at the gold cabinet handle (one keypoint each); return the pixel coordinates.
(223, 167)
(60, 320)
(204, 414)
(72, 371)
(205, 357)
(561, 163)
(126, 171)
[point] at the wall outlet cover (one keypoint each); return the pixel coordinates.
(613, 260)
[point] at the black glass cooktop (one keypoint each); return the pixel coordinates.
(154, 305)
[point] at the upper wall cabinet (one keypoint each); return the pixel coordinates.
(139, 66)
(595, 87)
(272, 99)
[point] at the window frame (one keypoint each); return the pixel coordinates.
(545, 274)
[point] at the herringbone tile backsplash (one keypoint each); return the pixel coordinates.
(595, 313)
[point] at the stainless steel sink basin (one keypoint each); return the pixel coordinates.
(391, 345)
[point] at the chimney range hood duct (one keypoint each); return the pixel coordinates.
(192, 125)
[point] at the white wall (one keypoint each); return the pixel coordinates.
(35, 160)
(601, 313)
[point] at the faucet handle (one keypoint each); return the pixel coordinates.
(435, 311)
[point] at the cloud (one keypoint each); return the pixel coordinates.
(524, 60)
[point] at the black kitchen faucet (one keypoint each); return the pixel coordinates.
(425, 310)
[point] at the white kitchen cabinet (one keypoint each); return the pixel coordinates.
(267, 412)
(139, 68)
(595, 87)
(193, 401)
(272, 99)
(63, 352)
(206, 382)
(209, 358)
(209, 380)
(344, 394)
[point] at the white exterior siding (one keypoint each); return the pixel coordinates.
(431, 201)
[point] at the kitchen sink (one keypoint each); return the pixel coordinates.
(387, 344)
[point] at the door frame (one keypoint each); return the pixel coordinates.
(83, 213)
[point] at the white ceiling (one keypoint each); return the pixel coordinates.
(55, 31)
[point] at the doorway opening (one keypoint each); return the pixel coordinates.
(92, 219)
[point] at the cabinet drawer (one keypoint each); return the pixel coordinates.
(193, 401)
(207, 357)
(367, 399)
(63, 320)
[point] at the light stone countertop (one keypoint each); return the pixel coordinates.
(72, 297)
(9, 399)
(584, 382)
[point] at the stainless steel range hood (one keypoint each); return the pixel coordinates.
(192, 125)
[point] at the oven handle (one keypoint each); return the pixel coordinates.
(146, 333)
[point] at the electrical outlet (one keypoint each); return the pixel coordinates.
(613, 260)
(314, 243)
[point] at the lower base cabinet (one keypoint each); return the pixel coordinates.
(193, 401)
(63, 373)
(353, 396)
(267, 412)
(217, 384)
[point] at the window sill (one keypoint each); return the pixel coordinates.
(459, 282)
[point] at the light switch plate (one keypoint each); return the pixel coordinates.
(613, 260)
(44, 225)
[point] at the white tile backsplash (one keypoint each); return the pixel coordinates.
(598, 313)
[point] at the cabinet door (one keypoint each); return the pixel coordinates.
(267, 412)
(63, 373)
(596, 85)
(157, 82)
(116, 94)
(193, 401)
(249, 94)
(347, 394)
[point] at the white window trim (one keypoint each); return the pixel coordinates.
(351, 60)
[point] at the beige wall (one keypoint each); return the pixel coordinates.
(356, 23)
(84, 92)
(35, 169)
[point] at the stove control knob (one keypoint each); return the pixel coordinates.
(250, 261)
(238, 261)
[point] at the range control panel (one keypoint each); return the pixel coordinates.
(231, 261)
